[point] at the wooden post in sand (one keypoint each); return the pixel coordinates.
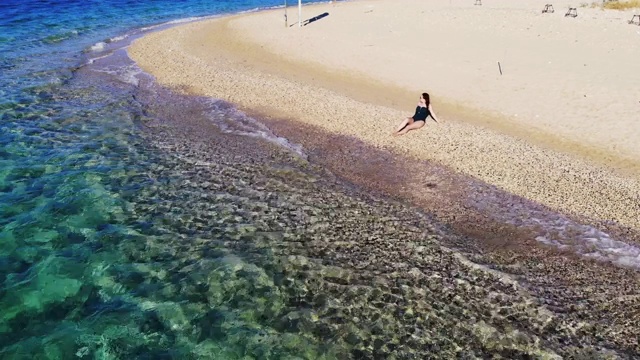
(299, 13)
(286, 24)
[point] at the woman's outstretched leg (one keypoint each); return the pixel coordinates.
(413, 126)
(403, 124)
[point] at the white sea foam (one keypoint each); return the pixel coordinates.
(555, 229)
(94, 59)
(589, 242)
(127, 74)
(118, 38)
(99, 46)
(585, 240)
(232, 121)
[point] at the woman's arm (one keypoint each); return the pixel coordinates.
(433, 114)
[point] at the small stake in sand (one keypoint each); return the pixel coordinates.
(633, 20)
(572, 12)
(286, 24)
(299, 13)
(548, 9)
(499, 67)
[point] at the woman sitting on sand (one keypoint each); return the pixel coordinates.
(423, 110)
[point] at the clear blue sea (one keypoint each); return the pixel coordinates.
(137, 223)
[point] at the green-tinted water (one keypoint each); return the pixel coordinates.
(150, 234)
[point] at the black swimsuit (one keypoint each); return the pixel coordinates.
(421, 113)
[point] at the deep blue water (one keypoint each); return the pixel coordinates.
(41, 38)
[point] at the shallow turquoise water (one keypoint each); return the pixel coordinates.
(73, 162)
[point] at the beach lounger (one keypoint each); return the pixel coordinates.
(571, 12)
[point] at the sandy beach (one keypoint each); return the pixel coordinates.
(545, 154)
(557, 127)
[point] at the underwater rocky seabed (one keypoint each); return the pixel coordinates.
(149, 233)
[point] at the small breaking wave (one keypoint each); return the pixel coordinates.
(554, 229)
(118, 38)
(127, 74)
(99, 46)
(233, 121)
(589, 242)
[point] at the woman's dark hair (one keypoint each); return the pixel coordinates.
(425, 96)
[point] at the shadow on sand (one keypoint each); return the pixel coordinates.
(310, 20)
